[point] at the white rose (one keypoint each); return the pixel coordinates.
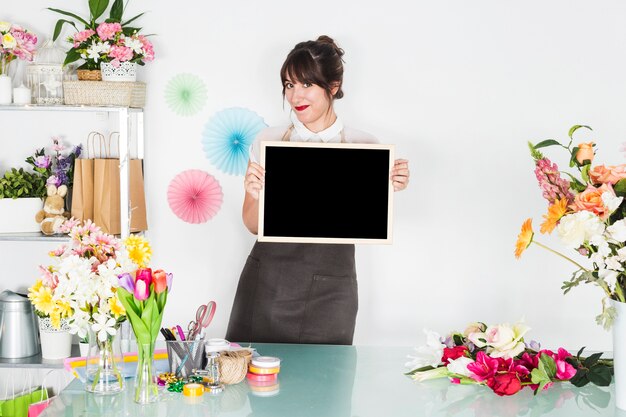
(578, 228)
(505, 341)
(5, 26)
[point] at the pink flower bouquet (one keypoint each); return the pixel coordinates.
(498, 357)
(15, 43)
(110, 41)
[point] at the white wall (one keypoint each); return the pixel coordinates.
(458, 86)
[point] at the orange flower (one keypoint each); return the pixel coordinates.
(525, 238)
(591, 200)
(585, 152)
(555, 212)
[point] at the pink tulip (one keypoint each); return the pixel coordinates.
(143, 280)
(142, 291)
(144, 274)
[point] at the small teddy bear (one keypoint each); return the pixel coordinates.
(53, 214)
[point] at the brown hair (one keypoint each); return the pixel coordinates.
(315, 62)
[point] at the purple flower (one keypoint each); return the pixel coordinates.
(53, 180)
(43, 161)
(169, 276)
(126, 282)
(78, 150)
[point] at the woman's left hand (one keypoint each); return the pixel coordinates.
(400, 174)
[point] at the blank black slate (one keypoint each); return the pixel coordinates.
(326, 192)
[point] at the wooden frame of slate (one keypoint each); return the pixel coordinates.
(326, 193)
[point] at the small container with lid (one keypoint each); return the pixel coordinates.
(19, 337)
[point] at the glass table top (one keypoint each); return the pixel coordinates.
(344, 381)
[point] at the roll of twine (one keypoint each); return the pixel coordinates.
(234, 365)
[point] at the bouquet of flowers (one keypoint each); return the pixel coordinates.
(82, 283)
(587, 211)
(144, 298)
(54, 169)
(109, 41)
(498, 357)
(15, 42)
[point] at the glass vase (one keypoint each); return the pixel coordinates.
(4, 64)
(104, 362)
(146, 389)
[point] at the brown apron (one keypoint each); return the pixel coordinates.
(296, 293)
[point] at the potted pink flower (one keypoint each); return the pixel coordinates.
(110, 50)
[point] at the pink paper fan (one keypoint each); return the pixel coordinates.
(194, 196)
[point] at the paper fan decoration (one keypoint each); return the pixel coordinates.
(227, 136)
(185, 94)
(194, 196)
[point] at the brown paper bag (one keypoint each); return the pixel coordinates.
(82, 192)
(106, 190)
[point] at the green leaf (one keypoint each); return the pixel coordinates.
(580, 379)
(600, 376)
(573, 161)
(585, 172)
(548, 364)
(97, 7)
(139, 327)
(80, 19)
(59, 26)
(132, 19)
(575, 182)
(547, 142)
(148, 312)
(128, 31)
(575, 128)
(117, 9)
(72, 56)
(620, 187)
(591, 360)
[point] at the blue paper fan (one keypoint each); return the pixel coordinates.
(227, 137)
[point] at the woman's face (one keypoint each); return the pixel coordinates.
(310, 104)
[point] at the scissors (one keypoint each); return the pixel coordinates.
(204, 315)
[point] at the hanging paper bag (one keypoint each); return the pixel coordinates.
(107, 193)
(82, 194)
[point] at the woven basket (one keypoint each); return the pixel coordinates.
(89, 75)
(105, 93)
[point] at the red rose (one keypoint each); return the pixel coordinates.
(453, 353)
(506, 384)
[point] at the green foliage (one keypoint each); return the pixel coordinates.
(534, 152)
(591, 369)
(17, 183)
(544, 373)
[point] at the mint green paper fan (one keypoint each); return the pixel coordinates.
(227, 137)
(185, 94)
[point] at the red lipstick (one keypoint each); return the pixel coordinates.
(300, 108)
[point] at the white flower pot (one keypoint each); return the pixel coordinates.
(127, 71)
(619, 354)
(18, 216)
(55, 343)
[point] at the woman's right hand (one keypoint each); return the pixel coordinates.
(254, 179)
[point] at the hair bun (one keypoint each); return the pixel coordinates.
(330, 41)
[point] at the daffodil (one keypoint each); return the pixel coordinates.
(117, 309)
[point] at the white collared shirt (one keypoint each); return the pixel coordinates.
(300, 133)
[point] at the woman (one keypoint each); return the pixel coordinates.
(301, 292)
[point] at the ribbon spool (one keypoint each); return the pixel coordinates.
(234, 366)
(193, 390)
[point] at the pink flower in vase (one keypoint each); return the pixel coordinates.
(82, 36)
